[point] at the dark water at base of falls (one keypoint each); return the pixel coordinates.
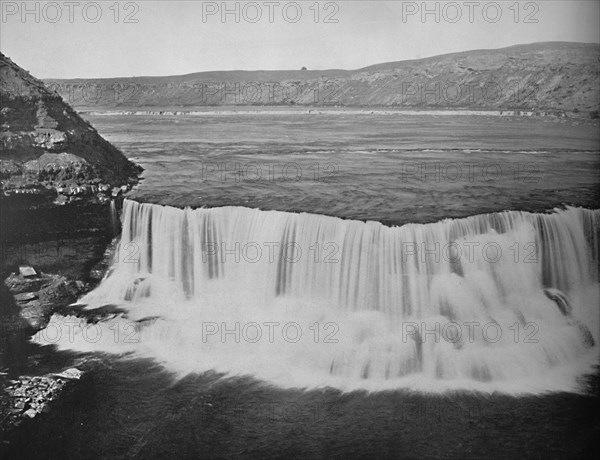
(134, 409)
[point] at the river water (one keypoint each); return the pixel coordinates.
(411, 257)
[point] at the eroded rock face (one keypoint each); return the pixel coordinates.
(57, 177)
(35, 121)
(38, 297)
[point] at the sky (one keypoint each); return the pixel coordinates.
(85, 39)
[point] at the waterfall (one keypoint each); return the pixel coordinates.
(114, 218)
(304, 300)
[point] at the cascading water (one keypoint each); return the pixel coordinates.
(307, 300)
(114, 218)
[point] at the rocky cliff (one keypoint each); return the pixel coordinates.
(43, 141)
(58, 176)
(59, 198)
(553, 76)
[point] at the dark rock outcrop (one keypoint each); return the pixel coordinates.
(38, 297)
(57, 179)
(58, 174)
(35, 121)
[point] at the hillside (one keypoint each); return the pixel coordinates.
(45, 142)
(555, 76)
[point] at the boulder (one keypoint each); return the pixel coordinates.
(61, 199)
(26, 296)
(27, 271)
(37, 298)
(17, 284)
(71, 374)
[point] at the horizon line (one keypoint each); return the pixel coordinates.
(323, 70)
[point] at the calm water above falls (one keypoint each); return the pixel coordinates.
(388, 168)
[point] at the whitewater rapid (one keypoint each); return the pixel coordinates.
(303, 300)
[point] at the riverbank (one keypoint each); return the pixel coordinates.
(550, 115)
(61, 184)
(51, 255)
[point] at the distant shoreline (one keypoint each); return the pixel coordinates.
(212, 111)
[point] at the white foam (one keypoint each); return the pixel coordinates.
(364, 307)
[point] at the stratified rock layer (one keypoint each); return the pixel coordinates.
(35, 121)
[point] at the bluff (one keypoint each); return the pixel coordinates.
(60, 188)
(549, 76)
(40, 134)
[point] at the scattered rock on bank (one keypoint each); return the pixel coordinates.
(30, 396)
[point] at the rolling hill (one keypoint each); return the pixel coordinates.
(555, 76)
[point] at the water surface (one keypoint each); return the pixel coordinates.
(394, 169)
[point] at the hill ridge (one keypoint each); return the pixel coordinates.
(559, 76)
